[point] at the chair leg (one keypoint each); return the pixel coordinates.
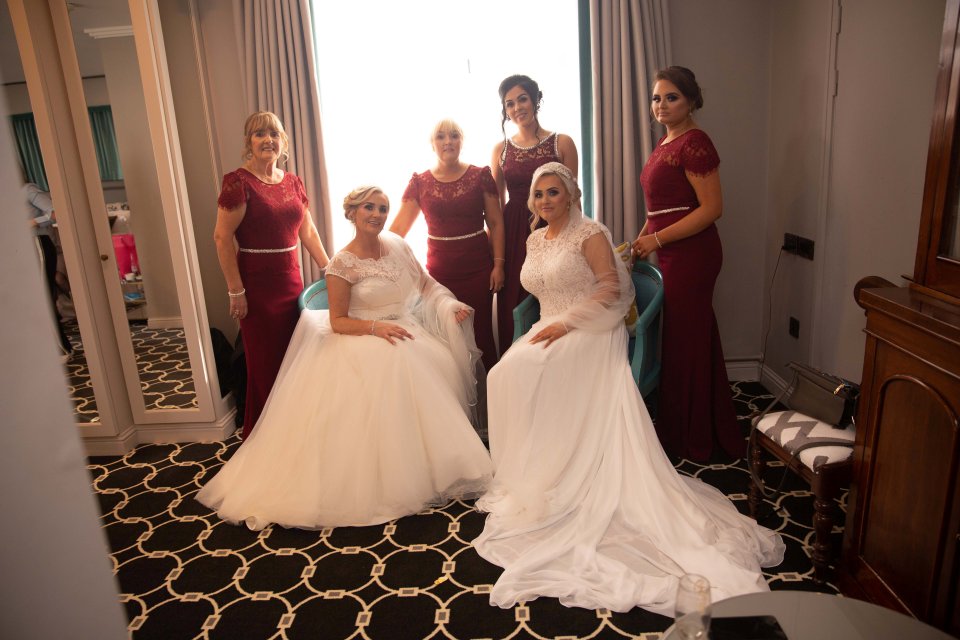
(755, 497)
(822, 528)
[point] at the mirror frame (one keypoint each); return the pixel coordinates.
(933, 272)
(45, 40)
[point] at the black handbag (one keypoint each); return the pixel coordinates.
(822, 396)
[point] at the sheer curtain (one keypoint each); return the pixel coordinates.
(276, 44)
(630, 40)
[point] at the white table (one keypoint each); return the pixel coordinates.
(805, 615)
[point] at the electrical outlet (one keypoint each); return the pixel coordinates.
(794, 327)
(805, 248)
(790, 242)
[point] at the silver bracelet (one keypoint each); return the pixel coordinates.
(657, 238)
(373, 323)
(242, 292)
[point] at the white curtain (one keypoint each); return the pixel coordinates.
(630, 40)
(276, 43)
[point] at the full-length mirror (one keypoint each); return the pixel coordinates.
(112, 87)
(130, 213)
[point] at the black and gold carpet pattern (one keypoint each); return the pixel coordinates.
(162, 362)
(183, 573)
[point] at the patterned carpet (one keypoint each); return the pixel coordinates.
(162, 361)
(183, 573)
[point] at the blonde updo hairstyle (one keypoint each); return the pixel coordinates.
(357, 197)
(264, 120)
(569, 184)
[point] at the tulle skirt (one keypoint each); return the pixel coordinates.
(585, 506)
(356, 432)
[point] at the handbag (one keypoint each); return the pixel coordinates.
(827, 398)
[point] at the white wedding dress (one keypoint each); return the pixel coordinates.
(358, 431)
(584, 505)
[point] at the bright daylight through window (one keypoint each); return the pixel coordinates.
(388, 71)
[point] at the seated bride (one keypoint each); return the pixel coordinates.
(584, 505)
(368, 419)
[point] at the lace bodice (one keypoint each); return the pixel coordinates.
(452, 208)
(664, 178)
(381, 287)
(519, 163)
(556, 271)
(274, 211)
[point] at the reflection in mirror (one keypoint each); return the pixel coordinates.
(40, 215)
(950, 231)
(108, 63)
(113, 92)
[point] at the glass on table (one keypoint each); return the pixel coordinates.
(693, 607)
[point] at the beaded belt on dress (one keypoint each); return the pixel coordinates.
(662, 211)
(284, 250)
(463, 237)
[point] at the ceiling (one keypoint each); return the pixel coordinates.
(84, 14)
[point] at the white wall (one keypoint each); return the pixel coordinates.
(799, 104)
(888, 58)
(726, 44)
(765, 71)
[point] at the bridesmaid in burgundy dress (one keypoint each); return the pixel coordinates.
(514, 161)
(262, 210)
(456, 199)
(681, 183)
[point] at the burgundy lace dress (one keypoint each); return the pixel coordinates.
(518, 164)
(270, 270)
(458, 251)
(695, 409)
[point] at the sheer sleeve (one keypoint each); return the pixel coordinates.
(301, 191)
(611, 292)
(486, 182)
(698, 155)
(412, 192)
(435, 308)
(233, 192)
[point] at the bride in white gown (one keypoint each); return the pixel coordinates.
(584, 505)
(368, 419)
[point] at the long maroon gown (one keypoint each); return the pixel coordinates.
(518, 164)
(270, 270)
(462, 264)
(695, 410)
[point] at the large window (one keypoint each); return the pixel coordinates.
(388, 71)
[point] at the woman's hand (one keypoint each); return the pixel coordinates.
(462, 314)
(497, 276)
(389, 331)
(643, 246)
(238, 306)
(550, 334)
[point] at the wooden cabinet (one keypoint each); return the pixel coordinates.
(901, 539)
(900, 546)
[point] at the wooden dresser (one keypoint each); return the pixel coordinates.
(901, 545)
(901, 541)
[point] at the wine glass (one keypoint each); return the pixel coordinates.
(693, 607)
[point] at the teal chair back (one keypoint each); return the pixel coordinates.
(314, 296)
(645, 347)
(525, 315)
